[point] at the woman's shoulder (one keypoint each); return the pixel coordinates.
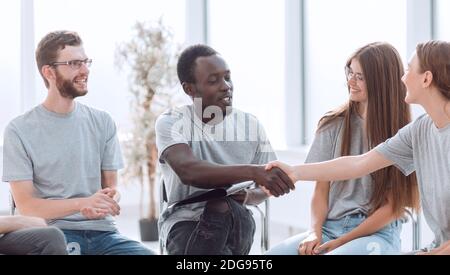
(420, 124)
(330, 124)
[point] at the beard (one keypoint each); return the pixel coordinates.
(67, 88)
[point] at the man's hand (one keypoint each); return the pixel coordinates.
(289, 170)
(94, 213)
(100, 204)
(112, 193)
(274, 180)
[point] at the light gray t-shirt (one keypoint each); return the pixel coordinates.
(345, 197)
(63, 154)
(238, 139)
(422, 147)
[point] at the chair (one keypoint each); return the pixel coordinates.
(264, 218)
(416, 229)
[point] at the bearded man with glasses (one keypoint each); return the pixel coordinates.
(61, 158)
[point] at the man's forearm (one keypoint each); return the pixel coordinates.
(207, 175)
(51, 209)
(109, 180)
(7, 225)
(12, 223)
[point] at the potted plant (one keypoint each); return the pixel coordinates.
(150, 57)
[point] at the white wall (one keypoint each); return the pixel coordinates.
(254, 49)
(442, 20)
(9, 62)
(333, 31)
(102, 26)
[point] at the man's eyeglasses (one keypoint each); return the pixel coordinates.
(350, 74)
(74, 64)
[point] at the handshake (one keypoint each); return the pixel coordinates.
(276, 178)
(101, 204)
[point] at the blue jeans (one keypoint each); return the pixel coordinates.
(385, 241)
(226, 232)
(89, 242)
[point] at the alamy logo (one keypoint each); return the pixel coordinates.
(73, 248)
(236, 126)
(374, 248)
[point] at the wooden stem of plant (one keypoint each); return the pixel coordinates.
(151, 170)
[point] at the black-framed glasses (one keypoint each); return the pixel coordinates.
(74, 64)
(350, 74)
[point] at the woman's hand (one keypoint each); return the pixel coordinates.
(289, 170)
(329, 246)
(309, 245)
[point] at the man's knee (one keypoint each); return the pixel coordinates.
(218, 206)
(53, 241)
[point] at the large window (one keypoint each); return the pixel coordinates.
(250, 36)
(442, 20)
(334, 30)
(102, 25)
(10, 62)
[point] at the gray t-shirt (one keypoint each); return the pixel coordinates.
(238, 139)
(63, 154)
(422, 147)
(345, 197)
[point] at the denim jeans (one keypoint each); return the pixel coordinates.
(34, 241)
(216, 233)
(385, 241)
(89, 242)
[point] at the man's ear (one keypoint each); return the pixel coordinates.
(189, 89)
(427, 79)
(48, 73)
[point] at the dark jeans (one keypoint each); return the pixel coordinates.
(227, 232)
(34, 241)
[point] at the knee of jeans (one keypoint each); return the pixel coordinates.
(55, 241)
(54, 234)
(218, 206)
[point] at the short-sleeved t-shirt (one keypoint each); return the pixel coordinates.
(63, 154)
(238, 139)
(345, 197)
(422, 147)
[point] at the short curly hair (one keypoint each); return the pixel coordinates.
(186, 62)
